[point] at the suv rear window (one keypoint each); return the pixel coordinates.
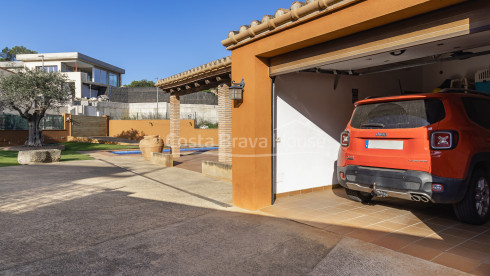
(478, 111)
(398, 114)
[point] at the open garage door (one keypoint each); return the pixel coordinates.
(315, 88)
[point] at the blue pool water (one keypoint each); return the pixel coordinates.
(164, 150)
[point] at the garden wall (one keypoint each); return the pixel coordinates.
(19, 137)
(136, 129)
(131, 129)
(88, 126)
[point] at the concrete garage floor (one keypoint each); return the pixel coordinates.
(122, 215)
(426, 231)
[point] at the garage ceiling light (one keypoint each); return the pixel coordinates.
(397, 52)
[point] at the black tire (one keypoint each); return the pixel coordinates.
(475, 206)
(362, 197)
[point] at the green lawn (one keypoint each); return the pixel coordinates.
(9, 158)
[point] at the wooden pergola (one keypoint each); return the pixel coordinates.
(215, 74)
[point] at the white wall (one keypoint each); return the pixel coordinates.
(311, 116)
(202, 112)
(76, 77)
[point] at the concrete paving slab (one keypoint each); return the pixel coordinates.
(123, 215)
(170, 184)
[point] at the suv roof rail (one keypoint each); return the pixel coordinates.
(463, 90)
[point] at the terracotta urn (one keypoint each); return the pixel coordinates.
(149, 144)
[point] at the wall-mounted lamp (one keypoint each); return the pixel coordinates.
(236, 90)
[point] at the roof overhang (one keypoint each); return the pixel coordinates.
(298, 13)
(69, 56)
(204, 77)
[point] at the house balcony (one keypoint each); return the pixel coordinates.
(78, 76)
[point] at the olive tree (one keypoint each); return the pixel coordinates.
(31, 93)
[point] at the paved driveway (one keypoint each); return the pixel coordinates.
(426, 231)
(122, 215)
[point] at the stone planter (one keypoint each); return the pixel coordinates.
(149, 144)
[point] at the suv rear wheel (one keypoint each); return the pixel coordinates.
(358, 196)
(475, 207)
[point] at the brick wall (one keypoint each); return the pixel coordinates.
(174, 115)
(224, 121)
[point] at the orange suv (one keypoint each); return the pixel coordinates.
(422, 147)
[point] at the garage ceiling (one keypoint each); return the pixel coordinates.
(450, 49)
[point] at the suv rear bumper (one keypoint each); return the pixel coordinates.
(401, 183)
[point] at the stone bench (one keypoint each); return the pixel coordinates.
(217, 169)
(164, 159)
(27, 157)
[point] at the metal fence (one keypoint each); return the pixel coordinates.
(152, 116)
(139, 116)
(15, 122)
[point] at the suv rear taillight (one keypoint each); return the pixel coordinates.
(345, 139)
(443, 139)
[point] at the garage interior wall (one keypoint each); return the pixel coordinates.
(311, 115)
(432, 76)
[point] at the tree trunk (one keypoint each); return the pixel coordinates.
(35, 138)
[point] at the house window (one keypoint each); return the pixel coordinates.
(100, 76)
(51, 68)
(113, 79)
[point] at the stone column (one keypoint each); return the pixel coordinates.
(175, 125)
(224, 124)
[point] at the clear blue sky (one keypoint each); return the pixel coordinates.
(147, 38)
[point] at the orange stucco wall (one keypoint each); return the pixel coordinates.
(252, 169)
(135, 129)
(18, 137)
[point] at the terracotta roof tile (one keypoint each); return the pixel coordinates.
(282, 17)
(194, 72)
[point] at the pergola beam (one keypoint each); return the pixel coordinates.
(200, 85)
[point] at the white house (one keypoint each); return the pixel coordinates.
(91, 76)
(4, 72)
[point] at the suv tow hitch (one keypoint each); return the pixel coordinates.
(378, 193)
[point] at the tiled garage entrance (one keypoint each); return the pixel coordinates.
(426, 231)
